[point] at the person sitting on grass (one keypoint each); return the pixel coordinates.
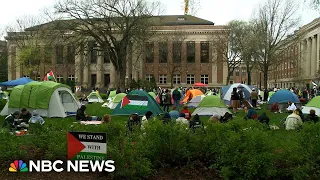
(174, 114)
(182, 119)
(312, 117)
(275, 107)
(36, 118)
(106, 119)
(81, 114)
(187, 113)
(291, 107)
(134, 120)
(215, 118)
(226, 117)
(251, 113)
(166, 118)
(11, 121)
(264, 119)
(293, 121)
(25, 116)
(195, 122)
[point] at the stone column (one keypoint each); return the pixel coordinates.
(129, 65)
(314, 56)
(11, 58)
(99, 69)
(308, 58)
(18, 65)
(77, 64)
(86, 65)
(113, 76)
(214, 65)
(317, 54)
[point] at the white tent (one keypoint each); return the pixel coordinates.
(115, 101)
(50, 99)
(195, 101)
(95, 98)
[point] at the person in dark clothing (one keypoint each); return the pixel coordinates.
(300, 114)
(11, 120)
(81, 115)
(25, 116)
(264, 119)
(134, 120)
(226, 117)
(195, 122)
(312, 117)
(235, 100)
(265, 95)
(118, 91)
(176, 96)
(166, 118)
(251, 113)
(166, 99)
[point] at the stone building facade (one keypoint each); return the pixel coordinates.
(300, 60)
(181, 51)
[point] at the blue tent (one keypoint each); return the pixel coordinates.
(284, 96)
(227, 90)
(20, 81)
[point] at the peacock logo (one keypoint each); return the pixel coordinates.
(18, 166)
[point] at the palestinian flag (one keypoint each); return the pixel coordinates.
(135, 102)
(49, 76)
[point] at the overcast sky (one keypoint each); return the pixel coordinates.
(218, 11)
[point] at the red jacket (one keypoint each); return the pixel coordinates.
(187, 113)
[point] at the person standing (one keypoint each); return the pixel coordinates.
(254, 97)
(166, 99)
(235, 100)
(176, 96)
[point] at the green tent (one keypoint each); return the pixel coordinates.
(139, 102)
(116, 100)
(152, 94)
(49, 98)
(314, 104)
(211, 105)
(112, 94)
(95, 97)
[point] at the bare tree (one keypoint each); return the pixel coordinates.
(112, 24)
(191, 7)
(273, 21)
(229, 44)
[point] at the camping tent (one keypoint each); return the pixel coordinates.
(190, 94)
(211, 105)
(227, 90)
(112, 95)
(282, 97)
(116, 100)
(137, 101)
(199, 84)
(20, 81)
(152, 94)
(195, 101)
(94, 97)
(314, 104)
(50, 99)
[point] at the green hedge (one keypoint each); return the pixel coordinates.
(237, 150)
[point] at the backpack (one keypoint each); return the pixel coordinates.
(164, 97)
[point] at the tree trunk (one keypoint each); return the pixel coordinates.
(249, 78)
(171, 81)
(265, 76)
(121, 79)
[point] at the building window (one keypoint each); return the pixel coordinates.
(231, 82)
(237, 72)
(176, 79)
(162, 79)
(204, 46)
(149, 52)
(149, 77)
(163, 52)
(59, 78)
(244, 71)
(93, 53)
(47, 54)
(176, 51)
(26, 76)
(190, 79)
(71, 77)
(191, 52)
(106, 80)
(71, 54)
(243, 82)
(204, 78)
(59, 54)
(38, 78)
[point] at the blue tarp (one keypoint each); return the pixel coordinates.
(20, 81)
(284, 96)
